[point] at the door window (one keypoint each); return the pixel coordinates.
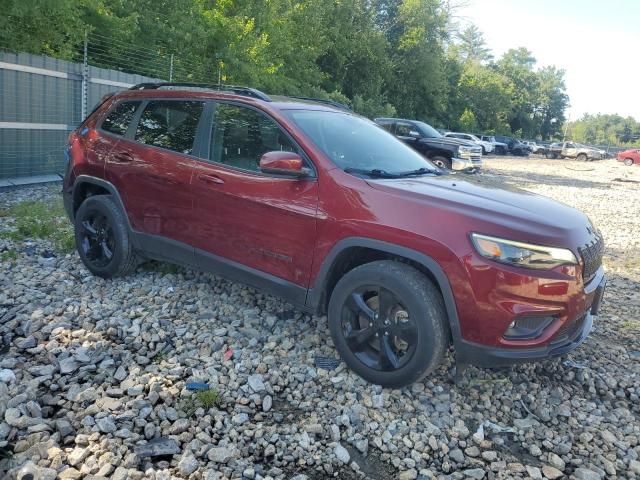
(242, 135)
(404, 129)
(118, 120)
(170, 124)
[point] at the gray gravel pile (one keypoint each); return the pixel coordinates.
(94, 374)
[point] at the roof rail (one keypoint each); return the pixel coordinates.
(333, 103)
(246, 91)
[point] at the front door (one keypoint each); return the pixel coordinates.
(152, 166)
(266, 223)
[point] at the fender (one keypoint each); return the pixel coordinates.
(80, 179)
(316, 293)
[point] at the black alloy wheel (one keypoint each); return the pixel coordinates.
(378, 329)
(97, 239)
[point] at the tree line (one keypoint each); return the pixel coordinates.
(604, 129)
(407, 58)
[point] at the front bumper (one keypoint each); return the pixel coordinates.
(465, 164)
(562, 343)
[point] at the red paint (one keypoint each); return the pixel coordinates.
(633, 154)
(287, 226)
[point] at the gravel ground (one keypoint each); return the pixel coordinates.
(94, 373)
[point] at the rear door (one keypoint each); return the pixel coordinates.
(152, 166)
(261, 221)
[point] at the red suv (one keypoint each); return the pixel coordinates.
(320, 206)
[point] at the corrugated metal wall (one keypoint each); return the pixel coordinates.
(38, 108)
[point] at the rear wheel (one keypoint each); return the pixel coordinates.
(582, 157)
(442, 162)
(388, 323)
(628, 162)
(102, 237)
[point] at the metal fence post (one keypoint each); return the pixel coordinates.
(85, 78)
(171, 69)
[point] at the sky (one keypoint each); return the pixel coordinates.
(596, 41)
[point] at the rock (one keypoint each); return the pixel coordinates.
(267, 403)
(534, 472)
(187, 465)
(68, 365)
(490, 456)
(220, 454)
(42, 370)
(30, 471)
(64, 427)
(556, 461)
(7, 376)
(120, 374)
(411, 474)
(158, 447)
(342, 454)
(179, 426)
(551, 472)
(106, 425)
(477, 473)
(457, 456)
(77, 455)
(27, 343)
(240, 419)
(634, 466)
(256, 383)
(472, 451)
(70, 474)
(585, 474)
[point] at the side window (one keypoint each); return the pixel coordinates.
(388, 126)
(118, 120)
(403, 129)
(242, 135)
(170, 124)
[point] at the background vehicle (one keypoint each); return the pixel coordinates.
(388, 245)
(534, 147)
(629, 157)
(573, 150)
(499, 147)
(445, 152)
(487, 147)
(514, 146)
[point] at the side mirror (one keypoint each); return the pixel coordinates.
(283, 163)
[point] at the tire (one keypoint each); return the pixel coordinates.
(484, 150)
(102, 238)
(628, 162)
(442, 162)
(582, 157)
(416, 313)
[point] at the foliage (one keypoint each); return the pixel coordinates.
(42, 220)
(384, 57)
(605, 129)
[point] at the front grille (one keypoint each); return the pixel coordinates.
(568, 330)
(476, 158)
(591, 255)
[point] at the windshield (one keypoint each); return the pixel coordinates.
(355, 143)
(427, 130)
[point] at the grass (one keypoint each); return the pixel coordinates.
(9, 255)
(209, 398)
(630, 325)
(36, 219)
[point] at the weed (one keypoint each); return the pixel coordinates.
(209, 398)
(630, 325)
(42, 220)
(160, 357)
(9, 255)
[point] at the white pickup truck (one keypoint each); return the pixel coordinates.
(574, 150)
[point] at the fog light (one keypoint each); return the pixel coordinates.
(527, 328)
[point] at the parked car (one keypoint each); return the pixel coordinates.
(498, 147)
(629, 157)
(487, 147)
(573, 150)
(308, 201)
(533, 146)
(445, 152)
(514, 146)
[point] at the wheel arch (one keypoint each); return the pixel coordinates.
(351, 252)
(86, 186)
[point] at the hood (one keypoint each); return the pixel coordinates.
(529, 216)
(453, 142)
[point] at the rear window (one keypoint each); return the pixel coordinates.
(118, 120)
(170, 124)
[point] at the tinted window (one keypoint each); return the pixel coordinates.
(404, 129)
(388, 126)
(351, 141)
(170, 124)
(119, 118)
(242, 135)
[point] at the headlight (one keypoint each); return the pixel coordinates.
(522, 254)
(465, 151)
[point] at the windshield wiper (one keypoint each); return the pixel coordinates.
(419, 171)
(373, 173)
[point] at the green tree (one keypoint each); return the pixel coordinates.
(472, 45)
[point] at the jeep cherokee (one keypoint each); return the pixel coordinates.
(322, 207)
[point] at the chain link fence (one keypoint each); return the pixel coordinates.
(43, 98)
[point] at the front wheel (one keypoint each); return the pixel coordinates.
(442, 162)
(102, 237)
(582, 157)
(628, 162)
(388, 322)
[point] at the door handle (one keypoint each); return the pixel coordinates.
(210, 178)
(123, 157)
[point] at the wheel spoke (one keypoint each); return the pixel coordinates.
(388, 358)
(358, 305)
(357, 338)
(404, 331)
(106, 251)
(386, 301)
(89, 229)
(94, 251)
